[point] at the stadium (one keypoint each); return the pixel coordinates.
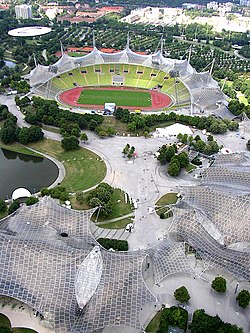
(132, 80)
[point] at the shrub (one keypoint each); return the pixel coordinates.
(243, 298)
(116, 244)
(45, 191)
(173, 316)
(181, 294)
(31, 201)
(162, 216)
(3, 205)
(13, 206)
(219, 284)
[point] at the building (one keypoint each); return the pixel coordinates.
(213, 5)
(245, 3)
(23, 11)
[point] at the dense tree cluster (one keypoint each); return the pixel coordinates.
(144, 122)
(58, 192)
(115, 244)
(48, 113)
(168, 153)
(243, 298)
(238, 108)
(173, 316)
(15, 82)
(203, 323)
(101, 197)
(3, 206)
(219, 284)
(13, 206)
(128, 151)
(181, 294)
(245, 51)
(10, 132)
(31, 201)
(208, 148)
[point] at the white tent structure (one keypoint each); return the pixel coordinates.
(204, 90)
(20, 193)
(172, 131)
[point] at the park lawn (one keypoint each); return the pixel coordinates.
(117, 125)
(120, 208)
(241, 97)
(84, 169)
(190, 167)
(4, 321)
(3, 214)
(51, 129)
(120, 97)
(18, 148)
(167, 199)
(163, 202)
(154, 323)
(121, 224)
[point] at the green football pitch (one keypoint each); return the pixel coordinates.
(120, 97)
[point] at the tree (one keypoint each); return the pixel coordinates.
(3, 205)
(70, 143)
(181, 294)
(84, 137)
(173, 169)
(219, 284)
(243, 298)
(80, 197)
(13, 206)
(31, 201)
(183, 159)
(248, 144)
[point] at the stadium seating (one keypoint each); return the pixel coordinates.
(137, 76)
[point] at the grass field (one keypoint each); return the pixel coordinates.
(120, 208)
(84, 169)
(163, 202)
(120, 97)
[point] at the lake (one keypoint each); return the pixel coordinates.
(20, 170)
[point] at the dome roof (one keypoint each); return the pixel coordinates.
(21, 193)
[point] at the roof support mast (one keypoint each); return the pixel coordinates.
(212, 67)
(189, 54)
(35, 60)
(128, 41)
(162, 44)
(94, 45)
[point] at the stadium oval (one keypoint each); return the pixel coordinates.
(29, 31)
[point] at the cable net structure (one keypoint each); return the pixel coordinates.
(214, 216)
(45, 250)
(169, 258)
(203, 89)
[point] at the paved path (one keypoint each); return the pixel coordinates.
(146, 181)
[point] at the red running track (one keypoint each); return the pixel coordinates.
(71, 96)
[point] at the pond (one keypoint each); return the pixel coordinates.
(20, 170)
(9, 63)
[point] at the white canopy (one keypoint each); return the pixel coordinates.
(172, 131)
(21, 193)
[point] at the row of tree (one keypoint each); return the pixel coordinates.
(144, 122)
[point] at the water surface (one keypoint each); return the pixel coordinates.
(20, 170)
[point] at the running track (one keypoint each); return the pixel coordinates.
(158, 99)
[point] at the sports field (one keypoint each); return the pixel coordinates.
(120, 97)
